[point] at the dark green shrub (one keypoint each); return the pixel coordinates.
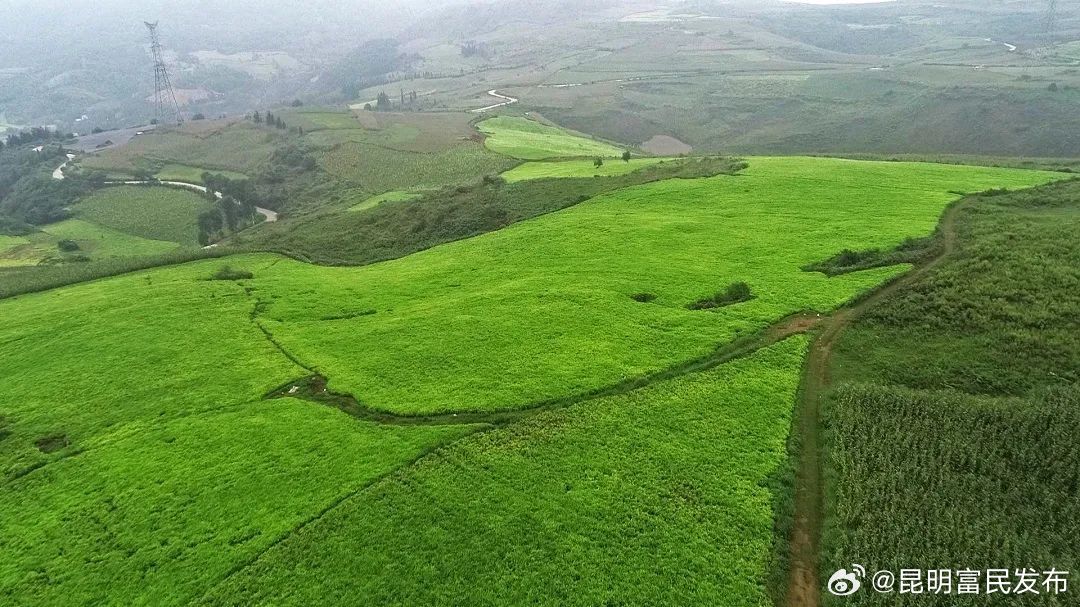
(737, 292)
(67, 246)
(229, 273)
(643, 297)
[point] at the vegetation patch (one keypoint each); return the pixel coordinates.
(52, 443)
(911, 251)
(231, 273)
(737, 292)
(643, 297)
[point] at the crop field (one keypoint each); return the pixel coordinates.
(155, 467)
(242, 148)
(676, 475)
(155, 213)
(543, 310)
(367, 166)
(529, 140)
(576, 168)
(951, 440)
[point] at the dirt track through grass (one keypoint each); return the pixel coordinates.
(804, 585)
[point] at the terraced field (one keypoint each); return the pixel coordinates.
(529, 140)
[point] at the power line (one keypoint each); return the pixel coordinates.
(164, 95)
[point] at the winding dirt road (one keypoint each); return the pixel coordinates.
(804, 585)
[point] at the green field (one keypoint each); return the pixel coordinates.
(530, 140)
(542, 309)
(156, 213)
(153, 469)
(658, 497)
(576, 168)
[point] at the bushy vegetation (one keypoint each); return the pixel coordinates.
(951, 441)
(656, 497)
(530, 140)
(737, 292)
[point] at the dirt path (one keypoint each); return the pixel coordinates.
(804, 587)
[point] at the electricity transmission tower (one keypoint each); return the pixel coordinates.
(1050, 25)
(164, 94)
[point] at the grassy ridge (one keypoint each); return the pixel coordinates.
(530, 140)
(977, 467)
(543, 309)
(657, 497)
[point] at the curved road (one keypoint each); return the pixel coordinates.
(495, 93)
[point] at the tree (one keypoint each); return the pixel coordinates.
(257, 117)
(626, 156)
(1053, 88)
(383, 103)
(198, 116)
(367, 107)
(297, 103)
(599, 162)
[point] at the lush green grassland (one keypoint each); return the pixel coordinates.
(543, 308)
(152, 469)
(155, 213)
(658, 497)
(576, 168)
(978, 466)
(530, 140)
